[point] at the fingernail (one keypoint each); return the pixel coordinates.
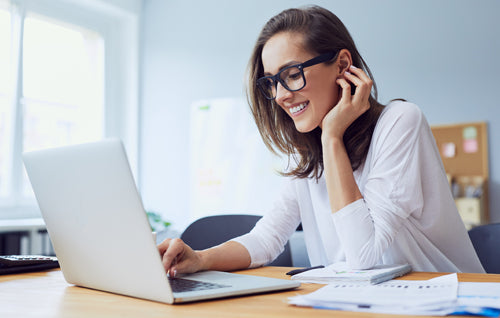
(353, 67)
(347, 73)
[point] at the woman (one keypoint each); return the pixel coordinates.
(367, 181)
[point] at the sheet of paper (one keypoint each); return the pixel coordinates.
(479, 295)
(469, 132)
(470, 146)
(394, 296)
(448, 150)
(439, 296)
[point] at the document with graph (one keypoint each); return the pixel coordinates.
(433, 297)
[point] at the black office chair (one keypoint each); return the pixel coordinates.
(486, 240)
(216, 229)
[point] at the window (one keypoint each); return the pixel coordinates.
(60, 85)
(5, 31)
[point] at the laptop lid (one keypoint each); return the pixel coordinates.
(95, 219)
(100, 232)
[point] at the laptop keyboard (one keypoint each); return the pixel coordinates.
(180, 285)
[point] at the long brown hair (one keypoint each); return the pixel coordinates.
(322, 32)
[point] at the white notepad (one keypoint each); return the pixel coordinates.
(340, 272)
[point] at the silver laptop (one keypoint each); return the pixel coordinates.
(101, 234)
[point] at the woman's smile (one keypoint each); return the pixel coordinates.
(298, 109)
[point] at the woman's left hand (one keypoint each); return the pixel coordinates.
(349, 107)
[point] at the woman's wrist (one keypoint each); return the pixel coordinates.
(331, 142)
(204, 260)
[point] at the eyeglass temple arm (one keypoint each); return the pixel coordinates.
(320, 59)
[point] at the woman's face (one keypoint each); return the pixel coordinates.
(308, 106)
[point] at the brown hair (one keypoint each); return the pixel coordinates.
(323, 32)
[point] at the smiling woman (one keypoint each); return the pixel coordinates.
(365, 180)
(340, 52)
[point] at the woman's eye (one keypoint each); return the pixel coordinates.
(294, 76)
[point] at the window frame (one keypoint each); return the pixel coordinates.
(118, 24)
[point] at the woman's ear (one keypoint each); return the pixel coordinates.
(344, 61)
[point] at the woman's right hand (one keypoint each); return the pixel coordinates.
(349, 107)
(178, 257)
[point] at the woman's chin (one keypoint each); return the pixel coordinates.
(304, 128)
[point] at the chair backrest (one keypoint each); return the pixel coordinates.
(216, 229)
(486, 241)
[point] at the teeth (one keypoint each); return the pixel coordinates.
(296, 109)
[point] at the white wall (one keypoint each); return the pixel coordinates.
(442, 55)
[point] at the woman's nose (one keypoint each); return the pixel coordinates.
(282, 93)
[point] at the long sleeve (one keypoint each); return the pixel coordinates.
(392, 189)
(267, 239)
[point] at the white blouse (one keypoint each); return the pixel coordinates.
(407, 214)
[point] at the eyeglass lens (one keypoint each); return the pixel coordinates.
(292, 79)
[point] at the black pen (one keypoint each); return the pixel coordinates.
(301, 270)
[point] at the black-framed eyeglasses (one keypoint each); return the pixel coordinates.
(291, 77)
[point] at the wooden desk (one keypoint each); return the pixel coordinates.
(46, 294)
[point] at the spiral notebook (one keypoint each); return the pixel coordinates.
(340, 272)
